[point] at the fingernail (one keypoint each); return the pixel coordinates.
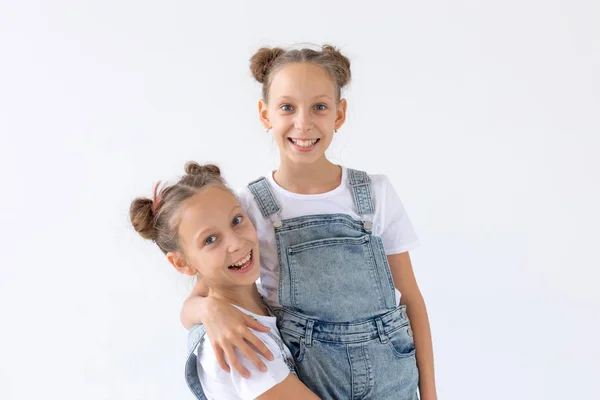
(263, 368)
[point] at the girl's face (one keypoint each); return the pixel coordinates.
(303, 112)
(218, 240)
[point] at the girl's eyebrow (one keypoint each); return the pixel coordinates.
(284, 98)
(204, 231)
(235, 209)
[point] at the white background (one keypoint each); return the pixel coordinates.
(485, 115)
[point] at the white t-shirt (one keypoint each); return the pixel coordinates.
(390, 222)
(221, 385)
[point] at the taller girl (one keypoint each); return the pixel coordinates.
(334, 243)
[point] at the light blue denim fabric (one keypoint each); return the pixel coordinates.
(338, 310)
(195, 336)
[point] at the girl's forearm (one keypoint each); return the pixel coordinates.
(192, 312)
(194, 306)
(417, 313)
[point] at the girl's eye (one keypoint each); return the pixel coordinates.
(237, 220)
(286, 107)
(320, 107)
(210, 239)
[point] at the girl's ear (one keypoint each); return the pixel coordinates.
(180, 264)
(264, 114)
(340, 117)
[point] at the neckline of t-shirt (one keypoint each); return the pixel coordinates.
(317, 196)
(256, 316)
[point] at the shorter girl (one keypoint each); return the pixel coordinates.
(200, 226)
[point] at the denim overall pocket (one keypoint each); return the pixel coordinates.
(401, 342)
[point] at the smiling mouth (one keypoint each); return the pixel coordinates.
(242, 264)
(304, 143)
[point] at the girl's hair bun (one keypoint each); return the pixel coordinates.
(342, 65)
(193, 168)
(262, 62)
(142, 218)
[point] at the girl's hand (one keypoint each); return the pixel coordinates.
(228, 329)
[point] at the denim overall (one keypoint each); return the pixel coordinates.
(191, 368)
(338, 313)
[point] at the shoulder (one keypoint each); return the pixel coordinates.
(246, 199)
(208, 360)
(258, 383)
(379, 182)
(244, 194)
(207, 357)
(387, 201)
(375, 179)
(380, 185)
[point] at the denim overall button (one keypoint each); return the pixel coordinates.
(368, 225)
(277, 224)
(367, 238)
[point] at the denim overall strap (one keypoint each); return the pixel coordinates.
(360, 183)
(191, 368)
(264, 197)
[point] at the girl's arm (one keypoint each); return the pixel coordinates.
(290, 389)
(405, 282)
(227, 327)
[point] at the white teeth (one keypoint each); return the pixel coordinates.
(304, 143)
(242, 261)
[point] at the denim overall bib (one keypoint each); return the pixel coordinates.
(338, 313)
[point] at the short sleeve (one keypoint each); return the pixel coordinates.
(259, 382)
(394, 226)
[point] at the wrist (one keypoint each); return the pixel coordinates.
(428, 393)
(212, 306)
